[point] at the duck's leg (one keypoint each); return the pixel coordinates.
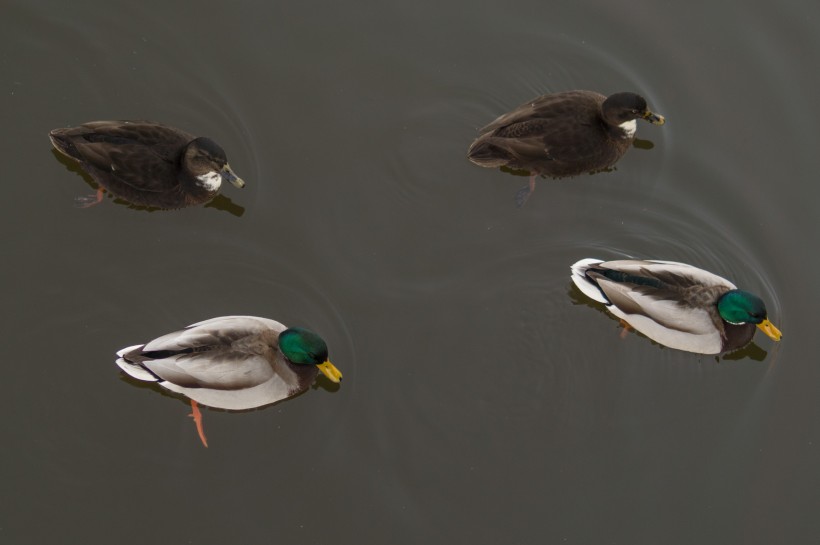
(87, 201)
(626, 328)
(197, 416)
(524, 193)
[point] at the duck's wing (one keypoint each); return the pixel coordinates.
(215, 332)
(543, 146)
(251, 324)
(228, 362)
(669, 302)
(142, 155)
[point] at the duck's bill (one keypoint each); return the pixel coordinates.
(655, 119)
(769, 329)
(228, 175)
(329, 370)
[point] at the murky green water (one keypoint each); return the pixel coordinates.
(483, 400)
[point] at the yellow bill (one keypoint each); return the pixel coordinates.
(769, 329)
(329, 370)
(655, 119)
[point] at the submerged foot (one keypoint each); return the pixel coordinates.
(524, 193)
(87, 201)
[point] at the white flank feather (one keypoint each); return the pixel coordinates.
(704, 342)
(270, 391)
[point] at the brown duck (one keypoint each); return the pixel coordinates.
(147, 163)
(562, 134)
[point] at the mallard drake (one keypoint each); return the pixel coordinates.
(147, 163)
(674, 304)
(231, 362)
(562, 134)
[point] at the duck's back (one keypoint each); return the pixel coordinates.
(569, 107)
(97, 139)
(560, 134)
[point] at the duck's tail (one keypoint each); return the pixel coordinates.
(61, 141)
(489, 152)
(133, 368)
(584, 283)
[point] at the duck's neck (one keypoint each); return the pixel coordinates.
(629, 128)
(210, 181)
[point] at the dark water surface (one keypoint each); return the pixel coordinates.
(483, 401)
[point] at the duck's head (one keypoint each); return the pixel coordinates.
(742, 307)
(622, 109)
(304, 347)
(207, 162)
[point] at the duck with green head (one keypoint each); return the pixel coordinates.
(674, 304)
(232, 362)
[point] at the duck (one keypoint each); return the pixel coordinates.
(675, 304)
(564, 134)
(231, 362)
(146, 163)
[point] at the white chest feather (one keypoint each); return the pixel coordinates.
(629, 127)
(210, 180)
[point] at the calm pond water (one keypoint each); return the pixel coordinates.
(484, 401)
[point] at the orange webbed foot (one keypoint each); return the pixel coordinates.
(197, 416)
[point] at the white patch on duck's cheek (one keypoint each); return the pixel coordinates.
(629, 127)
(210, 180)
